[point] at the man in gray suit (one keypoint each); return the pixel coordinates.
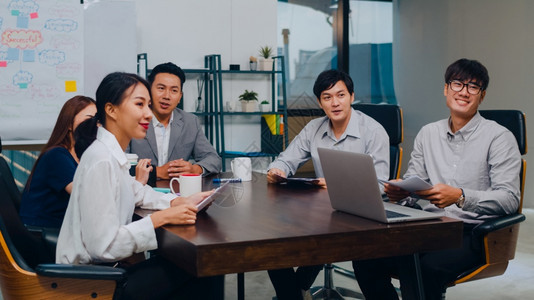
(175, 136)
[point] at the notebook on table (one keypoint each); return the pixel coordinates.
(353, 188)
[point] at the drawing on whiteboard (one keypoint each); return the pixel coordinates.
(41, 64)
(61, 25)
(51, 57)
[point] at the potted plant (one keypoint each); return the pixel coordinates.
(248, 101)
(266, 62)
(264, 106)
(253, 61)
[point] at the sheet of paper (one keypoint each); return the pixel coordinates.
(411, 184)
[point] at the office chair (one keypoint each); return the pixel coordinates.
(390, 117)
(12, 189)
(501, 234)
(27, 268)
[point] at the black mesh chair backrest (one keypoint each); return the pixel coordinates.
(390, 117)
(513, 120)
(27, 249)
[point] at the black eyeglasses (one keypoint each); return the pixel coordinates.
(457, 86)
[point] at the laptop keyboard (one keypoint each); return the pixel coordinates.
(391, 214)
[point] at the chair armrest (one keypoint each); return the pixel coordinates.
(498, 223)
(49, 236)
(81, 271)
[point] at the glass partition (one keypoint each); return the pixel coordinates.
(307, 39)
(308, 43)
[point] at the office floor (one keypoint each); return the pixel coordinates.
(516, 283)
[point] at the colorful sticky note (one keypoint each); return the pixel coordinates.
(34, 15)
(22, 22)
(28, 55)
(70, 86)
(12, 54)
(15, 12)
(3, 64)
(23, 85)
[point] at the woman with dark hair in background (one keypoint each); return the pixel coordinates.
(98, 227)
(47, 191)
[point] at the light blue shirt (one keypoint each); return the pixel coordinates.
(482, 158)
(363, 135)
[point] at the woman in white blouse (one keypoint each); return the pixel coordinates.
(98, 227)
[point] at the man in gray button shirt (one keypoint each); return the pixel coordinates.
(473, 165)
(342, 128)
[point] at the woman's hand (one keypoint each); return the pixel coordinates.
(183, 214)
(142, 170)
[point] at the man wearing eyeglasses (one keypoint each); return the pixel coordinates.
(473, 165)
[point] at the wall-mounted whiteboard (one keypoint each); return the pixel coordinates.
(41, 64)
(48, 54)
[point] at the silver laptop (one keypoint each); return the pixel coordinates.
(353, 188)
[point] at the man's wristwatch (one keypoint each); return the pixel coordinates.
(461, 200)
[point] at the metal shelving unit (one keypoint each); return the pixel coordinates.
(210, 115)
(279, 98)
(214, 114)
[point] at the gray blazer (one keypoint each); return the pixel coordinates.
(187, 141)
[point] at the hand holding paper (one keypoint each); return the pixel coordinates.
(411, 184)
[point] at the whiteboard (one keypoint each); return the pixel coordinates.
(52, 50)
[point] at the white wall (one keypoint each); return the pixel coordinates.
(183, 32)
(430, 35)
(112, 51)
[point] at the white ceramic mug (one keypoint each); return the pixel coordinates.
(242, 168)
(189, 184)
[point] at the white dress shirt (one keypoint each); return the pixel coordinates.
(98, 223)
(163, 135)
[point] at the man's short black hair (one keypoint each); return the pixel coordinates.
(167, 68)
(468, 69)
(327, 79)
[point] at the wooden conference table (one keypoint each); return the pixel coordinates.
(266, 226)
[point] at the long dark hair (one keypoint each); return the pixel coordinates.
(112, 90)
(61, 134)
